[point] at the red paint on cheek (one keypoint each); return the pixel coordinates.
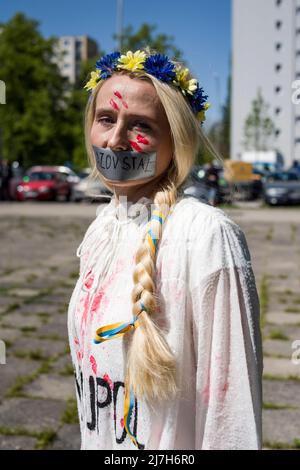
(114, 104)
(142, 140)
(135, 146)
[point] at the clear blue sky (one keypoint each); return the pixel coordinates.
(201, 29)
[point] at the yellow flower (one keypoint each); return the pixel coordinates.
(93, 80)
(132, 61)
(186, 84)
(201, 115)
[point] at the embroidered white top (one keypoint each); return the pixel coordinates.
(209, 311)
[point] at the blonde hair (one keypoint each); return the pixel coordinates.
(151, 365)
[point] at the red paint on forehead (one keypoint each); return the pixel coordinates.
(114, 104)
(118, 95)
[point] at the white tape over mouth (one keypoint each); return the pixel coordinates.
(124, 165)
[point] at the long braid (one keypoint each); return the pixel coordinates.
(151, 368)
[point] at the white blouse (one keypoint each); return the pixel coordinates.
(209, 311)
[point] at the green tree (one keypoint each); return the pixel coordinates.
(32, 118)
(224, 136)
(258, 127)
(144, 37)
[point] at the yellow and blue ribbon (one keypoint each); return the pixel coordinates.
(116, 330)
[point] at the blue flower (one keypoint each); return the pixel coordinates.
(107, 64)
(198, 99)
(160, 67)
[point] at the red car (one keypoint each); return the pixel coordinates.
(47, 183)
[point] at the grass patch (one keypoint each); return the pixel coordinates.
(73, 275)
(53, 337)
(28, 329)
(264, 299)
(44, 438)
(277, 334)
(282, 445)
(31, 277)
(293, 232)
(269, 235)
(282, 301)
(283, 276)
(277, 406)
(288, 292)
(67, 370)
(70, 415)
(292, 310)
(35, 355)
(12, 307)
(53, 268)
(293, 378)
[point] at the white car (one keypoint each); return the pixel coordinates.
(89, 189)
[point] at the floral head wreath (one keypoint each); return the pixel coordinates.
(160, 67)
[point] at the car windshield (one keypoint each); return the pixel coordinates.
(83, 174)
(41, 176)
(283, 177)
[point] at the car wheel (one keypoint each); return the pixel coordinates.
(68, 196)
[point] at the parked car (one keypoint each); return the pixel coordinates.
(196, 185)
(46, 183)
(89, 189)
(282, 188)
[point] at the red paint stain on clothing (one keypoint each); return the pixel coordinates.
(89, 279)
(114, 104)
(108, 380)
(142, 140)
(122, 422)
(135, 146)
(76, 341)
(93, 364)
(97, 301)
(206, 392)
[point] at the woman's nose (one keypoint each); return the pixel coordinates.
(118, 139)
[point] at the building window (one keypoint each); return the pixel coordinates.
(278, 67)
(298, 53)
(66, 42)
(297, 118)
(297, 140)
(298, 75)
(278, 46)
(277, 110)
(297, 9)
(298, 31)
(277, 89)
(277, 132)
(278, 2)
(278, 24)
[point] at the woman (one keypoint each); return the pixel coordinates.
(164, 318)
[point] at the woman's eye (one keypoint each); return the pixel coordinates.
(105, 120)
(141, 125)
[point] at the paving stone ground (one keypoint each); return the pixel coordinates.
(37, 275)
